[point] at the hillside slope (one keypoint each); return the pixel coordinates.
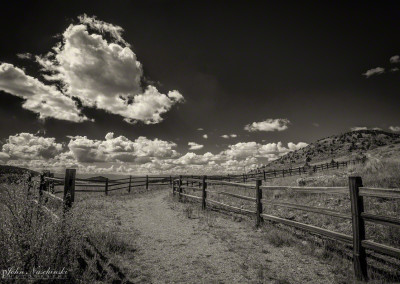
(376, 144)
(6, 169)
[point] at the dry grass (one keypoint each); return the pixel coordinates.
(375, 173)
(31, 238)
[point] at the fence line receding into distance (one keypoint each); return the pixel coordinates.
(355, 189)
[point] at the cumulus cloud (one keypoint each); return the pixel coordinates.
(119, 154)
(395, 128)
(195, 146)
(271, 151)
(193, 159)
(374, 71)
(298, 146)
(395, 59)
(120, 148)
(95, 65)
(278, 124)
(28, 146)
(205, 136)
(43, 99)
(105, 74)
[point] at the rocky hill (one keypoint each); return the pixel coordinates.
(376, 144)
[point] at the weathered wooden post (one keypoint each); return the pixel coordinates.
(170, 180)
(29, 183)
(265, 178)
(106, 187)
(51, 183)
(46, 181)
(130, 183)
(357, 207)
(204, 193)
(41, 186)
(180, 188)
(337, 165)
(147, 182)
(244, 179)
(259, 219)
(283, 173)
(69, 188)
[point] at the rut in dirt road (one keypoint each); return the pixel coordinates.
(172, 248)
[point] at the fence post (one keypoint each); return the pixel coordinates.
(41, 186)
(357, 207)
(180, 188)
(29, 183)
(259, 219)
(147, 182)
(69, 188)
(244, 179)
(130, 183)
(106, 187)
(265, 178)
(299, 171)
(170, 180)
(204, 193)
(52, 183)
(283, 173)
(337, 165)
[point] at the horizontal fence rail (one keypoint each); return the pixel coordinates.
(355, 190)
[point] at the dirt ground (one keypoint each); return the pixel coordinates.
(178, 243)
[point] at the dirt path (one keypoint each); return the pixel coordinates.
(177, 245)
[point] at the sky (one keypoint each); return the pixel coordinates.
(190, 86)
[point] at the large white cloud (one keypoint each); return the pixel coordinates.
(120, 148)
(270, 124)
(43, 99)
(28, 146)
(95, 65)
(105, 74)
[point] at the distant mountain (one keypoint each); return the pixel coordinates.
(376, 144)
(6, 169)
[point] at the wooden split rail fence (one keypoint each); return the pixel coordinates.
(49, 183)
(265, 175)
(183, 185)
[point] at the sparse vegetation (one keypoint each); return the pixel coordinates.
(30, 238)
